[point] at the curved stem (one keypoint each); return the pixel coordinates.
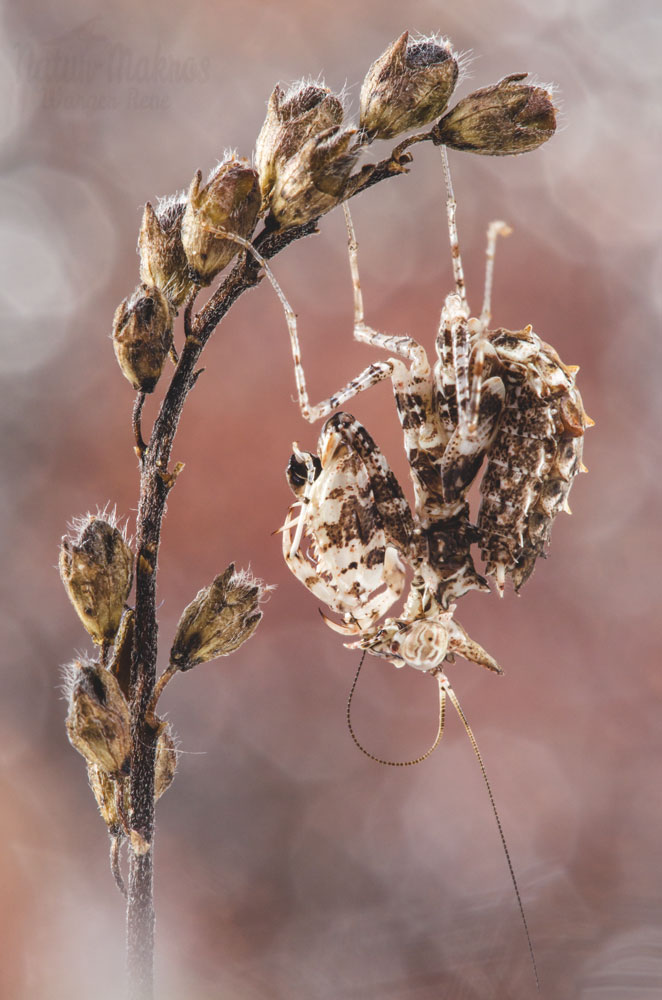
(155, 485)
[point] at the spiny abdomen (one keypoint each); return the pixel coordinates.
(531, 466)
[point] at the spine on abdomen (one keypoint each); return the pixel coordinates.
(529, 472)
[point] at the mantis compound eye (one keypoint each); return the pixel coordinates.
(423, 645)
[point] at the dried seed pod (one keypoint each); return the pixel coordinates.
(314, 180)
(292, 118)
(162, 258)
(229, 200)
(98, 722)
(106, 790)
(408, 86)
(166, 762)
(142, 336)
(509, 117)
(219, 620)
(96, 567)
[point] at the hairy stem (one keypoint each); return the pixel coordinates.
(155, 484)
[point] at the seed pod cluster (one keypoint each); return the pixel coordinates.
(314, 180)
(305, 111)
(181, 247)
(96, 566)
(98, 726)
(304, 166)
(111, 790)
(303, 153)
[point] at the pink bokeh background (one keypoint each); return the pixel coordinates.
(288, 865)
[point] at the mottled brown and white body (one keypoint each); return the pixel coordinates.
(355, 520)
(350, 542)
(534, 457)
(442, 461)
(496, 394)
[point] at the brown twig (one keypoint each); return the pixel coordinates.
(155, 485)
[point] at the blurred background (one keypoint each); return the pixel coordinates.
(287, 864)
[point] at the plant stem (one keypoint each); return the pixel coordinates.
(155, 484)
(140, 905)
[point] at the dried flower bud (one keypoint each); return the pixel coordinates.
(166, 762)
(229, 200)
(292, 118)
(219, 620)
(98, 723)
(96, 566)
(408, 86)
(509, 117)
(106, 789)
(142, 336)
(162, 258)
(313, 182)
